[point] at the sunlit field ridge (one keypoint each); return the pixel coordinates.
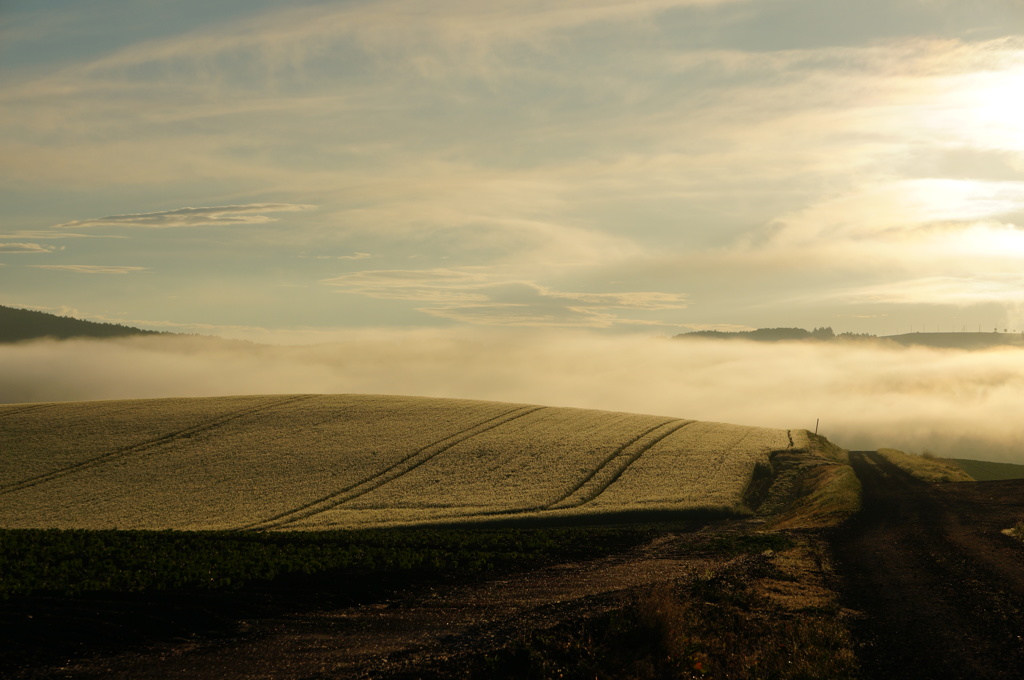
(288, 462)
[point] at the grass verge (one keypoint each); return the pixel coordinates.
(813, 488)
(926, 467)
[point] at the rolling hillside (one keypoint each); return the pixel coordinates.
(303, 462)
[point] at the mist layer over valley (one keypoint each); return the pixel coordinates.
(867, 395)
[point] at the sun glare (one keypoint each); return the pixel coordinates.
(990, 240)
(992, 108)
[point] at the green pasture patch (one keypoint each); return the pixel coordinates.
(987, 471)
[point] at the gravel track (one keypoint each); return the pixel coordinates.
(940, 587)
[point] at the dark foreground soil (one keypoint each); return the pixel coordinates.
(727, 600)
(391, 629)
(940, 587)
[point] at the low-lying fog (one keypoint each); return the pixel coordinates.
(954, 403)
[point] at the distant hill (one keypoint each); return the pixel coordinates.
(960, 340)
(25, 324)
(967, 341)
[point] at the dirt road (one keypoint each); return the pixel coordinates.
(942, 590)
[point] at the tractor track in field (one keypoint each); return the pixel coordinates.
(392, 472)
(627, 454)
(585, 495)
(16, 411)
(145, 446)
(941, 588)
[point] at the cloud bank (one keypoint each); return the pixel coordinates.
(954, 403)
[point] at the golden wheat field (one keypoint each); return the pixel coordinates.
(301, 462)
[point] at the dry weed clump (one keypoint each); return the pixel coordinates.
(1016, 531)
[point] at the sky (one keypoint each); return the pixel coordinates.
(524, 201)
(292, 172)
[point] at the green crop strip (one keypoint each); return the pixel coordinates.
(75, 562)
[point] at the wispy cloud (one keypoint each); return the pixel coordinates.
(940, 290)
(90, 268)
(25, 248)
(477, 295)
(283, 39)
(251, 213)
(50, 235)
(897, 208)
(523, 303)
(424, 285)
(353, 256)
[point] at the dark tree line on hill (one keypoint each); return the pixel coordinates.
(773, 334)
(25, 324)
